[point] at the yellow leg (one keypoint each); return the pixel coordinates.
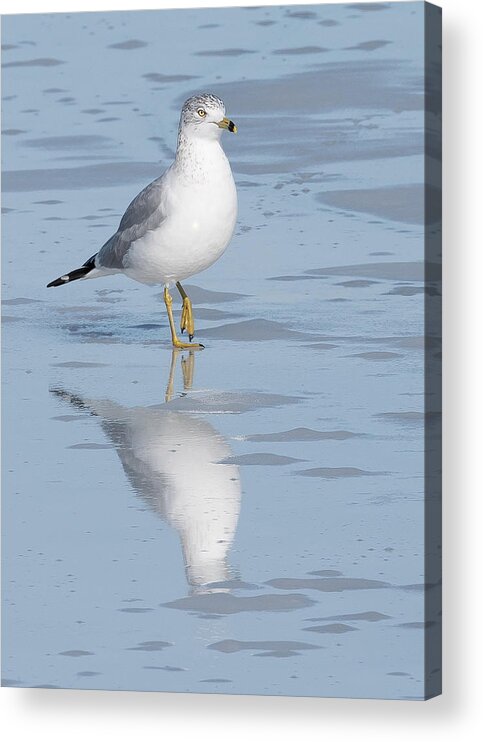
(187, 320)
(168, 300)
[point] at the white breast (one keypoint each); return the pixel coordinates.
(201, 208)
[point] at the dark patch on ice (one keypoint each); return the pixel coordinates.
(377, 355)
(255, 330)
(199, 295)
(409, 418)
(260, 459)
(368, 7)
(301, 434)
(105, 175)
(321, 346)
(216, 680)
(224, 52)
(416, 342)
(248, 184)
(233, 585)
(49, 202)
(86, 142)
(215, 315)
(336, 472)
(420, 586)
(365, 616)
(401, 203)
(301, 15)
(326, 584)
(293, 278)
(160, 78)
(225, 603)
(264, 648)
(150, 646)
(230, 402)
(75, 653)
(78, 364)
(358, 84)
(135, 610)
(331, 628)
(13, 132)
(166, 668)
(398, 674)
(413, 291)
(88, 673)
(129, 44)
(144, 326)
(393, 271)
(369, 46)
(41, 62)
(65, 418)
(91, 446)
(20, 300)
(417, 624)
(410, 342)
(357, 283)
(301, 50)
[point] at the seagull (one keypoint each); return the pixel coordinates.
(182, 222)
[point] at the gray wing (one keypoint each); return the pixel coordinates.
(144, 213)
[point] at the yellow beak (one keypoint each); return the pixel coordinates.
(227, 124)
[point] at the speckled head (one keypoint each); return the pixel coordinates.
(204, 116)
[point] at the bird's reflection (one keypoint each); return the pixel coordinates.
(187, 368)
(171, 460)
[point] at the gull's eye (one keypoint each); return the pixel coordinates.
(201, 112)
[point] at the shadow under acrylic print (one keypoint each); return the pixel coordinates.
(221, 237)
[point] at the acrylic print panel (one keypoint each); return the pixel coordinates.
(261, 516)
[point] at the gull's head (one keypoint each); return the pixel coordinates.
(203, 116)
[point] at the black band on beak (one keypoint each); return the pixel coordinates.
(231, 126)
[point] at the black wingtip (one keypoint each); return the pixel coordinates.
(58, 282)
(75, 275)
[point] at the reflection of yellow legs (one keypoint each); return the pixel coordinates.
(170, 387)
(168, 300)
(187, 367)
(187, 320)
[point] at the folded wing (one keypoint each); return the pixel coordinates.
(144, 213)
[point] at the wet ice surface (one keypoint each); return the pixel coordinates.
(191, 545)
